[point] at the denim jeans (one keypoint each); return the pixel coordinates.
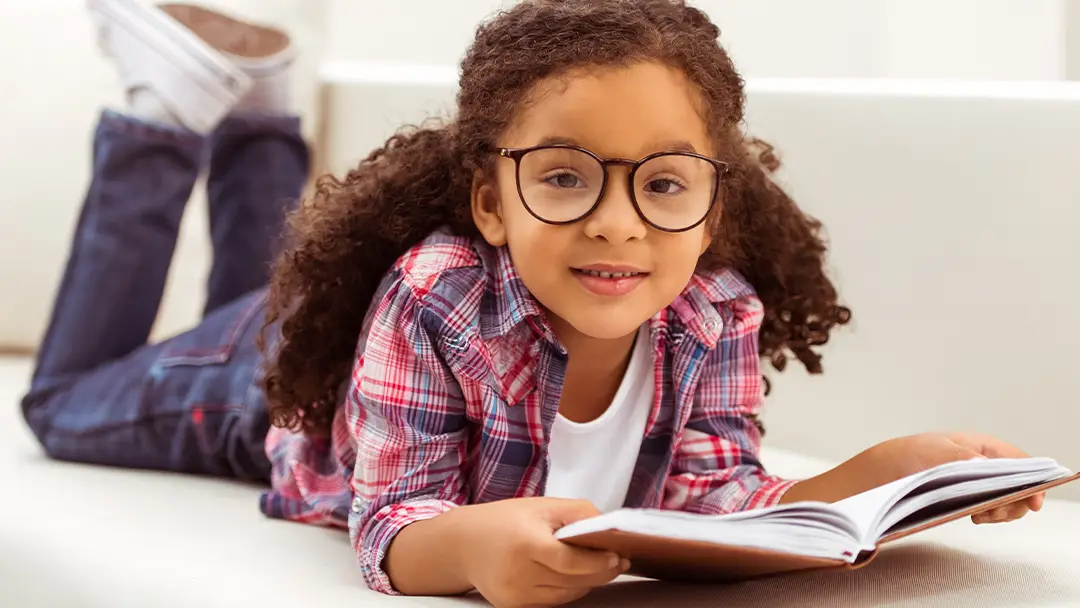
(100, 393)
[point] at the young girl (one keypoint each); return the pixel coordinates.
(554, 305)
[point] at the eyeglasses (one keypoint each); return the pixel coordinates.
(562, 184)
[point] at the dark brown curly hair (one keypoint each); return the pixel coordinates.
(346, 237)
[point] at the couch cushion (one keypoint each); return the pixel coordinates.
(73, 535)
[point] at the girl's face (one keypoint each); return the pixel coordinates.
(625, 113)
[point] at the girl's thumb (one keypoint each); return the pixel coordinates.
(966, 453)
(564, 512)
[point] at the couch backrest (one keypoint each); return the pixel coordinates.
(953, 216)
(953, 213)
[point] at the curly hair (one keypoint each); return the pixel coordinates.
(349, 233)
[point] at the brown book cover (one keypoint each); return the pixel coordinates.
(685, 560)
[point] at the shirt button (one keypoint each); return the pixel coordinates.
(712, 324)
(357, 505)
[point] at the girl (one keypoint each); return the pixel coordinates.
(555, 304)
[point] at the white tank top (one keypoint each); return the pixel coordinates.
(595, 460)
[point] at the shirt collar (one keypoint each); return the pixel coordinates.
(696, 305)
(509, 302)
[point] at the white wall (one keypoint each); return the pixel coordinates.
(965, 39)
(971, 39)
(796, 39)
(403, 31)
(1072, 40)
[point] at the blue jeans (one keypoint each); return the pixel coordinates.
(100, 394)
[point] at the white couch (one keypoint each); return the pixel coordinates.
(79, 536)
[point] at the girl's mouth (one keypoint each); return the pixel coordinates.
(608, 275)
(609, 282)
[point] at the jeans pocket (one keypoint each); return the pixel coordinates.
(210, 374)
(217, 338)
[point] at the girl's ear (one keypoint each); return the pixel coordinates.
(487, 210)
(711, 225)
(706, 240)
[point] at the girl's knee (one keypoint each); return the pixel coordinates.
(37, 413)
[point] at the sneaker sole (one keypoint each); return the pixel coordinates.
(218, 81)
(221, 32)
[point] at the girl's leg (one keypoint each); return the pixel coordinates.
(123, 244)
(258, 167)
(190, 404)
(99, 395)
(258, 160)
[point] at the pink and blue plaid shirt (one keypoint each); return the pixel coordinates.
(456, 384)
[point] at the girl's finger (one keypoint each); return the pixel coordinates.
(988, 446)
(1010, 512)
(1036, 502)
(1018, 510)
(992, 516)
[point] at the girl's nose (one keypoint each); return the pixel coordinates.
(615, 218)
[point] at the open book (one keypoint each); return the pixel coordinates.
(807, 535)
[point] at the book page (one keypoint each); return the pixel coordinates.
(838, 531)
(866, 510)
(810, 529)
(942, 501)
(871, 510)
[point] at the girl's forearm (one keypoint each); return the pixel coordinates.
(426, 557)
(861, 473)
(827, 487)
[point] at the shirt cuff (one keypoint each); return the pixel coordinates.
(768, 494)
(379, 531)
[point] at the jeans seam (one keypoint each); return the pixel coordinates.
(225, 408)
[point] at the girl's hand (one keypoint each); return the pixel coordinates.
(514, 560)
(908, 455)
(898, 458)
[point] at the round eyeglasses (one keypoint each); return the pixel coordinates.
(563, 184)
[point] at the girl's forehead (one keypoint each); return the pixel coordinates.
(626, 111)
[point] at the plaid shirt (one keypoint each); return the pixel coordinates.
(457, 382)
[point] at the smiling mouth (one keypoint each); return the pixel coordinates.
(608, 275)
(610, 280)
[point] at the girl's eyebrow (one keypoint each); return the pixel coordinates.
(674, 145)
(554, 140)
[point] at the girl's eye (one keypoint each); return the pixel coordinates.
(564, 180)
(664, 186)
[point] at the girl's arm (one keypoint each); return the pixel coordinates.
(409, 522)
(903, 456)
(716, 468)
(407, 416)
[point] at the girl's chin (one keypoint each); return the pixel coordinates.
(607, 328)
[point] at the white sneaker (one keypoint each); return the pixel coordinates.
(196, 83)
(264, 53)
